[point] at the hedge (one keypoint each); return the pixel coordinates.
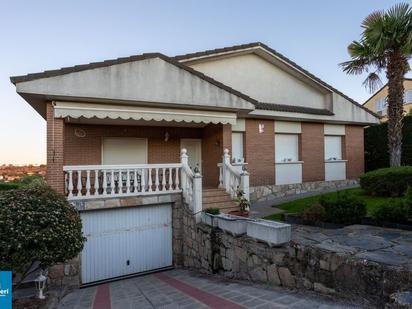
(376, 145)
(391, 181)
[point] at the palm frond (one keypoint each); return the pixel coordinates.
(372, 82)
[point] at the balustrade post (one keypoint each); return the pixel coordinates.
(244, 184)
(88, 184)
(225, 172)
(184, 160)
(70, 185)
(197, 196)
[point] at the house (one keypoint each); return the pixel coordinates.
(378, 104)
(144, 129)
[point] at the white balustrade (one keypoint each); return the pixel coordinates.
(231, 179)
(102, 181)
(93, 181)
(191, 182)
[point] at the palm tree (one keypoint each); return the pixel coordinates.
(385, 46)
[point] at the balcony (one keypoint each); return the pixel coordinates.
(104, 181)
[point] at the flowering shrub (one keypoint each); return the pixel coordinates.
(37, 225)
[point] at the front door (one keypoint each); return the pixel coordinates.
(194, 151)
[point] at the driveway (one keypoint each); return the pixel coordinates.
(185, 289)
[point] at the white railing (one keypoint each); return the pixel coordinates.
(102, 181)
(93, 181)
(231, 179)
(191, 186)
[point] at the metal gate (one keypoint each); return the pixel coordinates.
(126, 241)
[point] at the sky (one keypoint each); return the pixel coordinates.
(42, 35)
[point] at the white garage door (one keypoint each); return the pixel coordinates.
(125, 241)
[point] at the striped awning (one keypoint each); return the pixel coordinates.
(103, 111)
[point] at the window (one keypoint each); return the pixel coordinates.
(124, 150)
(380, 104)
(286, 147)
(333, 148)
(237, 147)
(407, 98)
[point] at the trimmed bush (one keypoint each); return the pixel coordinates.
(376, 145)
(345, 209)
(396, 211)
(212, 211)
(4, 186)
(392, 181)
(37, 225)
(314, 213)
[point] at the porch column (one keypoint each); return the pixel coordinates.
(55, 150)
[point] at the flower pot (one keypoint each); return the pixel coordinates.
(232, 224)
(271, 232)
(209, 219)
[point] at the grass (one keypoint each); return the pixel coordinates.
(298, 206)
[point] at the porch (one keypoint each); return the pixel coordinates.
(85, 183)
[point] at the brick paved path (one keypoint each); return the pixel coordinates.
(184, 289)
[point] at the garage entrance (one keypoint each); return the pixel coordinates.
(126, 241)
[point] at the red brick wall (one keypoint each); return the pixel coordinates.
(260, 152)
(354, 151)
(215, 138)
(87, 150)
(312, 151)
(55, 153)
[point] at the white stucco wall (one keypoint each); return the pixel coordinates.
(149, 80)
(262, 81)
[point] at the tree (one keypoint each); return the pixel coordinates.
(37, 226)
(385, 46)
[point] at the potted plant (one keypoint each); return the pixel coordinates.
(209, 215)
(244, 204)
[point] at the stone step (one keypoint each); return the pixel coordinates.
(214, 192)
(217, 198)
(221, 205)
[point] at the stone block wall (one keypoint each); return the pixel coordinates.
(296, 265)
(265, 193)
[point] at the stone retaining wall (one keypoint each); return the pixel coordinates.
(265, 193)
(211, 250)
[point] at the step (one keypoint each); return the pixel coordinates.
(217, 198)
(220, 205)
(214, 192)
(224, 210)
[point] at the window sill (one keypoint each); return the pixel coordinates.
(335, 161)
(290, 162)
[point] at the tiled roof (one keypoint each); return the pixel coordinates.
(293, 109)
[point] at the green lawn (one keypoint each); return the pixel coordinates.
(298, 206)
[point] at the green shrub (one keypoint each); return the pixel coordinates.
(392, 181)
(32, 180)
(37, 225)
(397, 211)
(314, 213)
(212, 211)
(4, 186)
(346, 209)
(376, 145)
